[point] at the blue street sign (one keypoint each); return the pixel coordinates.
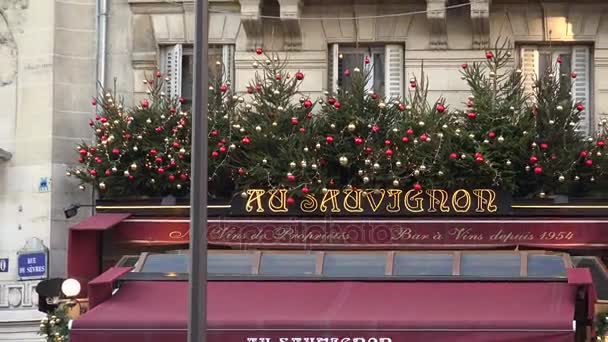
(32, 265)
(3, 265)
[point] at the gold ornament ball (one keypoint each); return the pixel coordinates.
(395, 130)
(178, 186)
(318, 146)
(135, 148)
(368, 162)
(351, 127)
(440, 173)
(114, 169)
(561, 179)
(276, 92)
(551, 122)
(292, 165)
(274, 124)
(592, 179)
(133, 166)
(395, 182)
(319, 181)
(542, 195)
(416, 172)
(305, 149)
(77, 172)
(508, 162)
(422, 168)
(264, 161)
(486, 141)
(182, 150)
(149, 121)
(365, 180)
(501, 139)
(376, 166)
(360, 172)
(598, 153)
(242, 130)
(398, 163)
(313, 166)
(232, 146)
(560, 108)
(421, 123)
(343, 161)
(472, 136)
(81, 187)
(303, 164)
(463, 156)
(68, 173)
(162, 116)
(243, 194)
(258, 128)
(102, 186)
(577, 178)
(332, 126)
(528, 168)
(381, 105)
(457, 130)
(512, 108)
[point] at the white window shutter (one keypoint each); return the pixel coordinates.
(393, 74)
(228, 61)
(172, 65)
(332, 67)
(581, 85)
(529, 67)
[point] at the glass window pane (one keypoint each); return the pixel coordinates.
(288, 264)
(165, 263)
(354, 265)
(540, 265)
(423, 264)
(187, 76)
(492, 265)
(544, 63)
(566, 66)
(379, 70)
(229, 263)
(349, 61)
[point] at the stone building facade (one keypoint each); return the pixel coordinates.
(54, 52)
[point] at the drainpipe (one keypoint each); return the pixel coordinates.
(102, 17)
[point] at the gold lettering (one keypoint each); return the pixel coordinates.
(330, 196)
(415, 208)
(373, 203)
(395, 207)
(255, 195)
(457, 201)
(352, 201)
(438, 197)
(485, 200)
(281, 197)
(309, 204)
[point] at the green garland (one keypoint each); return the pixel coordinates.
(54, 327)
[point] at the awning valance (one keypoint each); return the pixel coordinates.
(252, 311)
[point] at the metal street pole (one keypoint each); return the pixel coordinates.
(197, 320)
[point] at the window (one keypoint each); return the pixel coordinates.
(496, 265)
(423, 264)
(536, 60)
(354, 265)
(385, 66)
(288, 264)
(546, 265)
(178, 65)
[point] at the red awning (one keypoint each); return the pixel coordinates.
(100, 221)
(333, 311)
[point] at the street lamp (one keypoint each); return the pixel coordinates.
(197, 293)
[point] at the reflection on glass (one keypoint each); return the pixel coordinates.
(354, 265)
(496, 265)
(541, 265)
(423, 264)
(229, 263)
(288, 264)
(166, 263)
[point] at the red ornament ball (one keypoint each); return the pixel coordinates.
(145, 104)
(104, 120)
(302, 129)
(423, 137)
(291, 178)
(98, 160)
(388, 152)
(309, 116)
(153, 152)
(560, 60)
(182, 100)
(346, 72)
(258, 87)
(93, 172)
(534, 159)
(489, 55)
(358, 140)
(401, 107)
(183, 176)
(131, 177)
(294, 121)
(375, 128)
(453, 156)
(108, 172)
(472, 115)
(176, 144)
(223, 88)
(492, 135)
(278, 76)
(573, 75)
(544, 146)
(405, 140)
(470, 104)
(305, 190)
(158, 74)
(158, 129)
(366, 60)
(553, 156)
(214, 133)
(337, 104)
(81, 160)
(259, 51)
(82, 151)
(387, 142)
(331, 100)
(91, 123)
(115, 151)
(307, 104)
(161, 170)
(440, 108)
(291, 201)
(299, 75)
(97, 117)
(601, 143)
(583, 154)
(417, 187)
(538, 170)
(250, 90)
(158, 160)
(479, 159)
(580, 107)
(329, 139)
(589, 162)
(222, 149)
(413, 84)
(410, 131)
(246, 141)
(368, 149)
(241, 171)
(374, 96)
(464, 65)
(94, 102)
(171, 178)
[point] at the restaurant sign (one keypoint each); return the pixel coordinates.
(345, 233)
(318, 339)
(377, 202)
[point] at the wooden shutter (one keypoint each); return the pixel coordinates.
(581, 86)
(393, 73)
(228, 61)
(332, 68)
(172, 68)
(529, 67)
